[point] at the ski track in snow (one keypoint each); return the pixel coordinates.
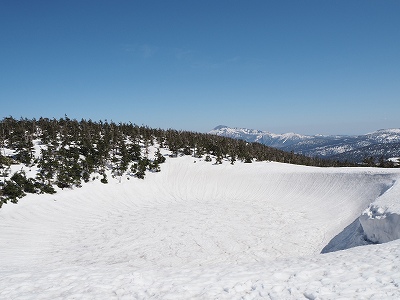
(202, 231)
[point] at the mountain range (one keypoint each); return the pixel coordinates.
(383, 143)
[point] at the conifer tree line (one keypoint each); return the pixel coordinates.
(74, 152)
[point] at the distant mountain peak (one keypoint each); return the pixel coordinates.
(383, 142)
(220, 127)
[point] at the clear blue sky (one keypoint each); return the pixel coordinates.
(323, 66)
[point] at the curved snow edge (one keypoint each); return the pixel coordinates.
(380, 225)
(381, 220)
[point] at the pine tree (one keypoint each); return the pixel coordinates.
(159, 157)
(12, 191)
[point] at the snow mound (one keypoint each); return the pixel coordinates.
(379, 223)
(381, 220)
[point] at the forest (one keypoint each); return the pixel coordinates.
(67, 153)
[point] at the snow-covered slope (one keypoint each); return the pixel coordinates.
(384, 142)
(200, 231)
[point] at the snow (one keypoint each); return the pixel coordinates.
(381, 220)
(202, 231)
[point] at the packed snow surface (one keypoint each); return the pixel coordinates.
(200, 231)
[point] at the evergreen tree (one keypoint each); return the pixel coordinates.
(159, 157)
(12, 191)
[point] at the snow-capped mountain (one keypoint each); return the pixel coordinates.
(384, 142)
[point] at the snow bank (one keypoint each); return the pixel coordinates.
(379, 223)
(381, 220)
(352, 236)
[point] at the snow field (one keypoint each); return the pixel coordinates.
(369, 272)
(198, 230)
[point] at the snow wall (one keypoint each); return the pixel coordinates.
(379, 223)
(381, 220)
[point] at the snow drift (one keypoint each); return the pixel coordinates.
(381, 220)
(379, 223)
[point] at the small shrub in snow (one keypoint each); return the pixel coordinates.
(248, 160)
(12, 191)
(48, 189)
(104, 179)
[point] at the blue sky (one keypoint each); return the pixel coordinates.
(327, 67)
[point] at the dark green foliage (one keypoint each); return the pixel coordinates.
(187, 150)
(5, 161)
(159, 157)
(199, 152)
(233, 159)
(141, 168)
(248, 160)
(104, 179)
(26, 184)
(48, 189)
(154, 166)
(48, 164)
(12, 191)
(30, 186)
(19, 178)
(85, 176)
(74, 151)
